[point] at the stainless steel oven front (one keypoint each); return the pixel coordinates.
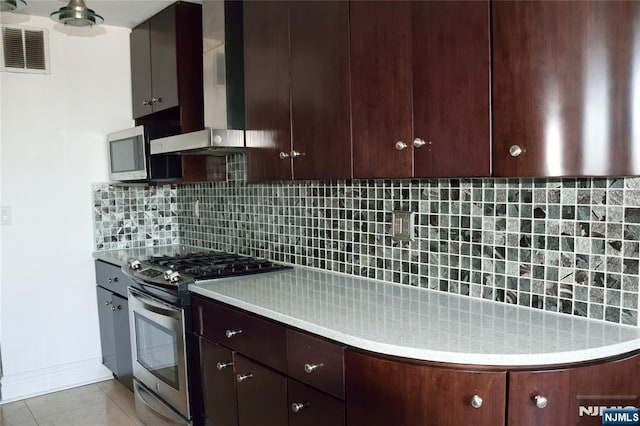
(158, 350)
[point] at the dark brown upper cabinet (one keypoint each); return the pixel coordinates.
(566, 88)
(166, 67)
(297, 90)
(420, 79)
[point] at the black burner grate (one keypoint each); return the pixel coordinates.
(211, 265)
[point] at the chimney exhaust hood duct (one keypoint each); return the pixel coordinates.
(223, 67)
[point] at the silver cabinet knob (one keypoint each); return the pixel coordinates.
(541, 401)
(295, 154)
(231, 333)
(297, 406)
(113, 307)
(222, 365)
(476, 401)
(309, 368)
(156, 100)
(417, 143)
(113, 280)
(400, 145)
(515, 150)
(107, 303)
(145, 103)
(242, 377)
(283, 155)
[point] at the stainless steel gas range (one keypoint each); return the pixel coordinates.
(161, 324)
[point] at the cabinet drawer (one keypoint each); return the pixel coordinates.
(262, 394)
(316, 362)
(112, 278)
(309, 407)
(254, 337)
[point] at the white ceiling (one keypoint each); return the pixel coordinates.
(126, 14)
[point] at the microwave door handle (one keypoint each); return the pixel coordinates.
(151, 305)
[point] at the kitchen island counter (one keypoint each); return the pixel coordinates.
(423, 324)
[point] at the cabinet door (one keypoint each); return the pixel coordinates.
(140, 70)
(267, 92)
(120, 317)
(451, 72)
(107, 329)
(262, 394)
(381, 392)
(164, 76)
(218, 385)
(310, 407)
(381, 88)
(566, 94)
(320, 95)
(573, 395)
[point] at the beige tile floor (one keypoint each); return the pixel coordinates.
(102, 404)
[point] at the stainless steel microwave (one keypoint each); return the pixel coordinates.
(130, 158)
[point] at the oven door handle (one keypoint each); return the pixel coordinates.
(153, 305)
(158, 409)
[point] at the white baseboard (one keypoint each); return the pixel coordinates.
(38, 382)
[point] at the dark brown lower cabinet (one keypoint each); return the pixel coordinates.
(310, 407)
(316, 382)
(382, 392)
(217, 384)
(572, 396)
(262, 394)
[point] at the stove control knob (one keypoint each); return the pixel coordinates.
(172, 276)
(134, 264)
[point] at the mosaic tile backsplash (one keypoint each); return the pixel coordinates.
(134, 216)
(563, 245)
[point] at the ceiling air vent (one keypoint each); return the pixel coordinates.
(25, 50)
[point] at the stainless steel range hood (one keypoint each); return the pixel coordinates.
(223, 82)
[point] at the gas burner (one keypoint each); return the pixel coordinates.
(212, 265)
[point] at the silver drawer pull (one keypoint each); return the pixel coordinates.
(231, 333)
(222, 365)
(242, 377)
(418, 143)
(309, 368)
(297, 406)
(515, 150)
(476, 401)
(541, 401)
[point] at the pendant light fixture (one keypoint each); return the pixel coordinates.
(12, 5)
(77, 14)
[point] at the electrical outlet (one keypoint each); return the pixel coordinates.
(5, 215)
(402, 226)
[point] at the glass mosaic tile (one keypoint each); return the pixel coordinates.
(564, 245)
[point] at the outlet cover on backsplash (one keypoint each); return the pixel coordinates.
(563, 245)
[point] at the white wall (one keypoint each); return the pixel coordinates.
(52, 148)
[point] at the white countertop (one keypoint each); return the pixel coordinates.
(419, 323)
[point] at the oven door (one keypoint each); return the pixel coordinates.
(158, 348)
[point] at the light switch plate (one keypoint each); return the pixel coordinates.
(402, 225)
(5, 215)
